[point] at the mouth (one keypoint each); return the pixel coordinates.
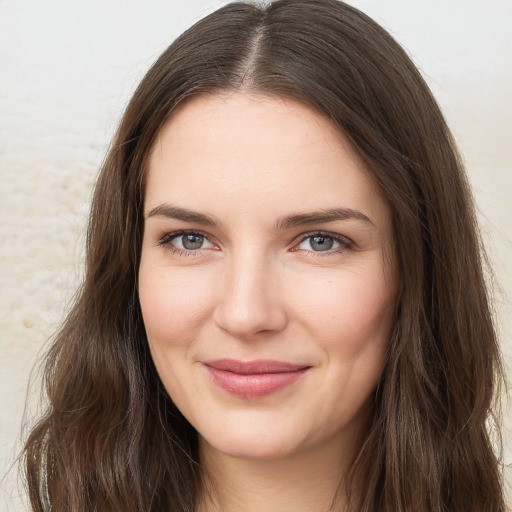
(252, 379)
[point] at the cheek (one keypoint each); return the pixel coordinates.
(352, 313)
(174, 305)
(174, 308)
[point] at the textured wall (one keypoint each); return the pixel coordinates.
(68, 68)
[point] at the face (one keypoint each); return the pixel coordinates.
(266, 293)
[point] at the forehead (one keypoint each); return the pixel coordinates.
(257, 152)
(250, 123)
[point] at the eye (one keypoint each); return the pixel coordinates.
(324, 242)
(186, 241)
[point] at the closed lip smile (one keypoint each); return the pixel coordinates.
(252, 379)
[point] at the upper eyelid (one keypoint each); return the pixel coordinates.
(336, 236)
(302, 236)
(179, 232)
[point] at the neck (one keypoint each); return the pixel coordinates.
(311, 480)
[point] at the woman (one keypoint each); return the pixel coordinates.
(284, 306)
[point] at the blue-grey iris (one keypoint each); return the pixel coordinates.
(321, 243)
(192, 241)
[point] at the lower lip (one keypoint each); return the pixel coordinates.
(256, 384)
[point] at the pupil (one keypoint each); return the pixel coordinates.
(321, 243)
(192, 241)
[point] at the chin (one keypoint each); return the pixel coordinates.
(249, 445)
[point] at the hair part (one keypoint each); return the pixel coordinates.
(113, 440)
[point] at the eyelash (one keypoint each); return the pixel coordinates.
(345, 243)
(166, 242)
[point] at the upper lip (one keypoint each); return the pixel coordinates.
(254, 367)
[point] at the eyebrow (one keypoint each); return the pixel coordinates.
(175, 212)
(320, 216)
(290, 221)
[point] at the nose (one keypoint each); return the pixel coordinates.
(250, 300)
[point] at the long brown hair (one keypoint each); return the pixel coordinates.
(111, 438)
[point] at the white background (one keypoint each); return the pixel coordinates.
(67, 70)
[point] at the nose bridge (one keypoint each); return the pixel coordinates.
(250, 301)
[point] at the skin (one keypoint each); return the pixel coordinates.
(259, 288)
